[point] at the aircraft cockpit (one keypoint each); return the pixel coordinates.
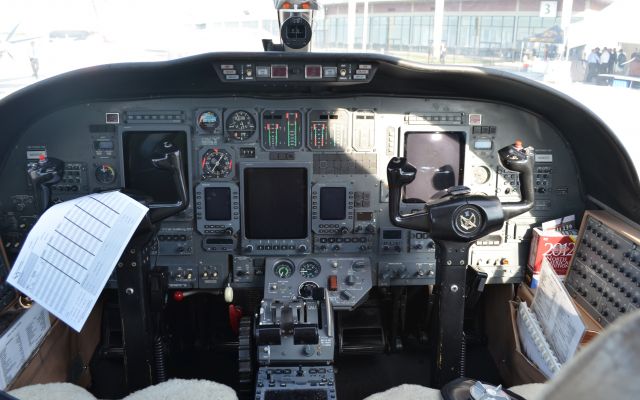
(292, 224)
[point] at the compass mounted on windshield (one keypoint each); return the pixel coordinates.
(296, 19)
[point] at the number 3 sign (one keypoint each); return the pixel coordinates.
(548, 9)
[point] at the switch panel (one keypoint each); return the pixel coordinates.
(604, 275)
(347, 279)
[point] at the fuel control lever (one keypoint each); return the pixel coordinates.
(43, 175)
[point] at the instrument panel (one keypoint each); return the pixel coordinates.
(298, 180)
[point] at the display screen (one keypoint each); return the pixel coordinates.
(364, 216)
(313, 71)
(333, 203)
(438, 157)
(217, 203)
(392, 234)
(279, 71)
(103, 145)
(275, 203)
(141, 176)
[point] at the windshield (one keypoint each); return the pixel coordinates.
(588, 49)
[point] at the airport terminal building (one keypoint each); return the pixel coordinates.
(472, 28)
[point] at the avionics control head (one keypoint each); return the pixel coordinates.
(296, 19)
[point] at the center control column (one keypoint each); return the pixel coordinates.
(294, 329)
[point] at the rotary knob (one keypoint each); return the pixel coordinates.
(308, 350)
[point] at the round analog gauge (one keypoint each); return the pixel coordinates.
(208, 121)
(283, 269)
(240, 125)
(481, 175)
(310, 269)
(216, 163)
(105, 174)
(306, 289)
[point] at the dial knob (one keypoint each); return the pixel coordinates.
(308, 350)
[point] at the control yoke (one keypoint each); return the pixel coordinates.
(43, 174)
(454, 222)
(516, 158)
(170, 159)
(141, 315)
(460, 216)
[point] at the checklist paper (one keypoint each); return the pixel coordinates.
(72, 250)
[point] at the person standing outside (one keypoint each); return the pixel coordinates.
(634, 64)
(604, 60)
(612, 61)
(621, 62)
(33, 59)
(443, 53)
(593, 61)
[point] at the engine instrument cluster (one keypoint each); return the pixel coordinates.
(281, 130)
